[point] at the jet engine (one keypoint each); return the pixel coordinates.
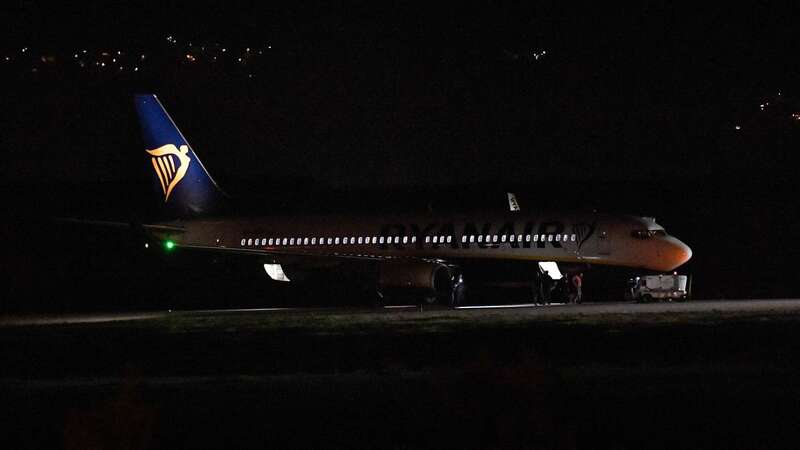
(429, 279)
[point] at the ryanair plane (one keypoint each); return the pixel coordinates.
(423, 254)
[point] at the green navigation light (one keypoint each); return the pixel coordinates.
(169, 245)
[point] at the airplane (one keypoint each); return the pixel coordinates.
(424, 254)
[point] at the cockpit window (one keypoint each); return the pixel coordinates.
(647, 234)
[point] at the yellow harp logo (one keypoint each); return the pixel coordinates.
(170, 174)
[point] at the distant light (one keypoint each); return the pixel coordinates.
(247, 49)
(84, 52)
(119, 52)
(190, 57)
(24, 49)
(142, 57)
(102, 64)
(795, 116)
(146, 245)
(135, 69)
(269, 46)
(738, 127)
(75, 55)
(224, 50)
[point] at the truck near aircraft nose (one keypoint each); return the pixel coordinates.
(669, 287)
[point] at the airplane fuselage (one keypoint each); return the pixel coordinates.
(570, 238)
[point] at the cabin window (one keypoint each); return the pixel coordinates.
(535, 238)
(449, 239)
(427, 239)
(397, 239)
(361, 239)
(405, 239)
(503, 238)
(494, 238)
(480, 238)
(271, 241)
(472, 238)
(352, 239)
(413, 239)
(249, 242)
(336, 241)
(464, 238)
(305, 241)
(436, 239)
(330, 241)
(381, 240)
(550, 238)
(519, 238)
(558, 238)
(572, 238)
(528, 238)
(313, 241)
(244, 241)
(512, 238)
(344, 240)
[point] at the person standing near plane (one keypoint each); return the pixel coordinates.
(547, 287)
(459, 292)
(576, 282)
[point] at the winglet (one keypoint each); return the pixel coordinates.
(513, 205)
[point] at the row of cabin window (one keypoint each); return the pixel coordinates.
(406, 239)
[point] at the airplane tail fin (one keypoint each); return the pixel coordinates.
(182, 184)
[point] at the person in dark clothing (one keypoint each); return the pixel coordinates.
(536, 287)
(459, 292)
(547, 287)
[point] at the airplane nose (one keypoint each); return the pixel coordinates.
(677, 253)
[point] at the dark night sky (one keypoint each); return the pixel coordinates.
(630, 108)
(395, 96)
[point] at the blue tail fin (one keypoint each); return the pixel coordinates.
(182, 183)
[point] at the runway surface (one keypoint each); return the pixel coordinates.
(767, 306)
(702, 374)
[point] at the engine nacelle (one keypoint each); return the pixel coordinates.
(419, 276)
